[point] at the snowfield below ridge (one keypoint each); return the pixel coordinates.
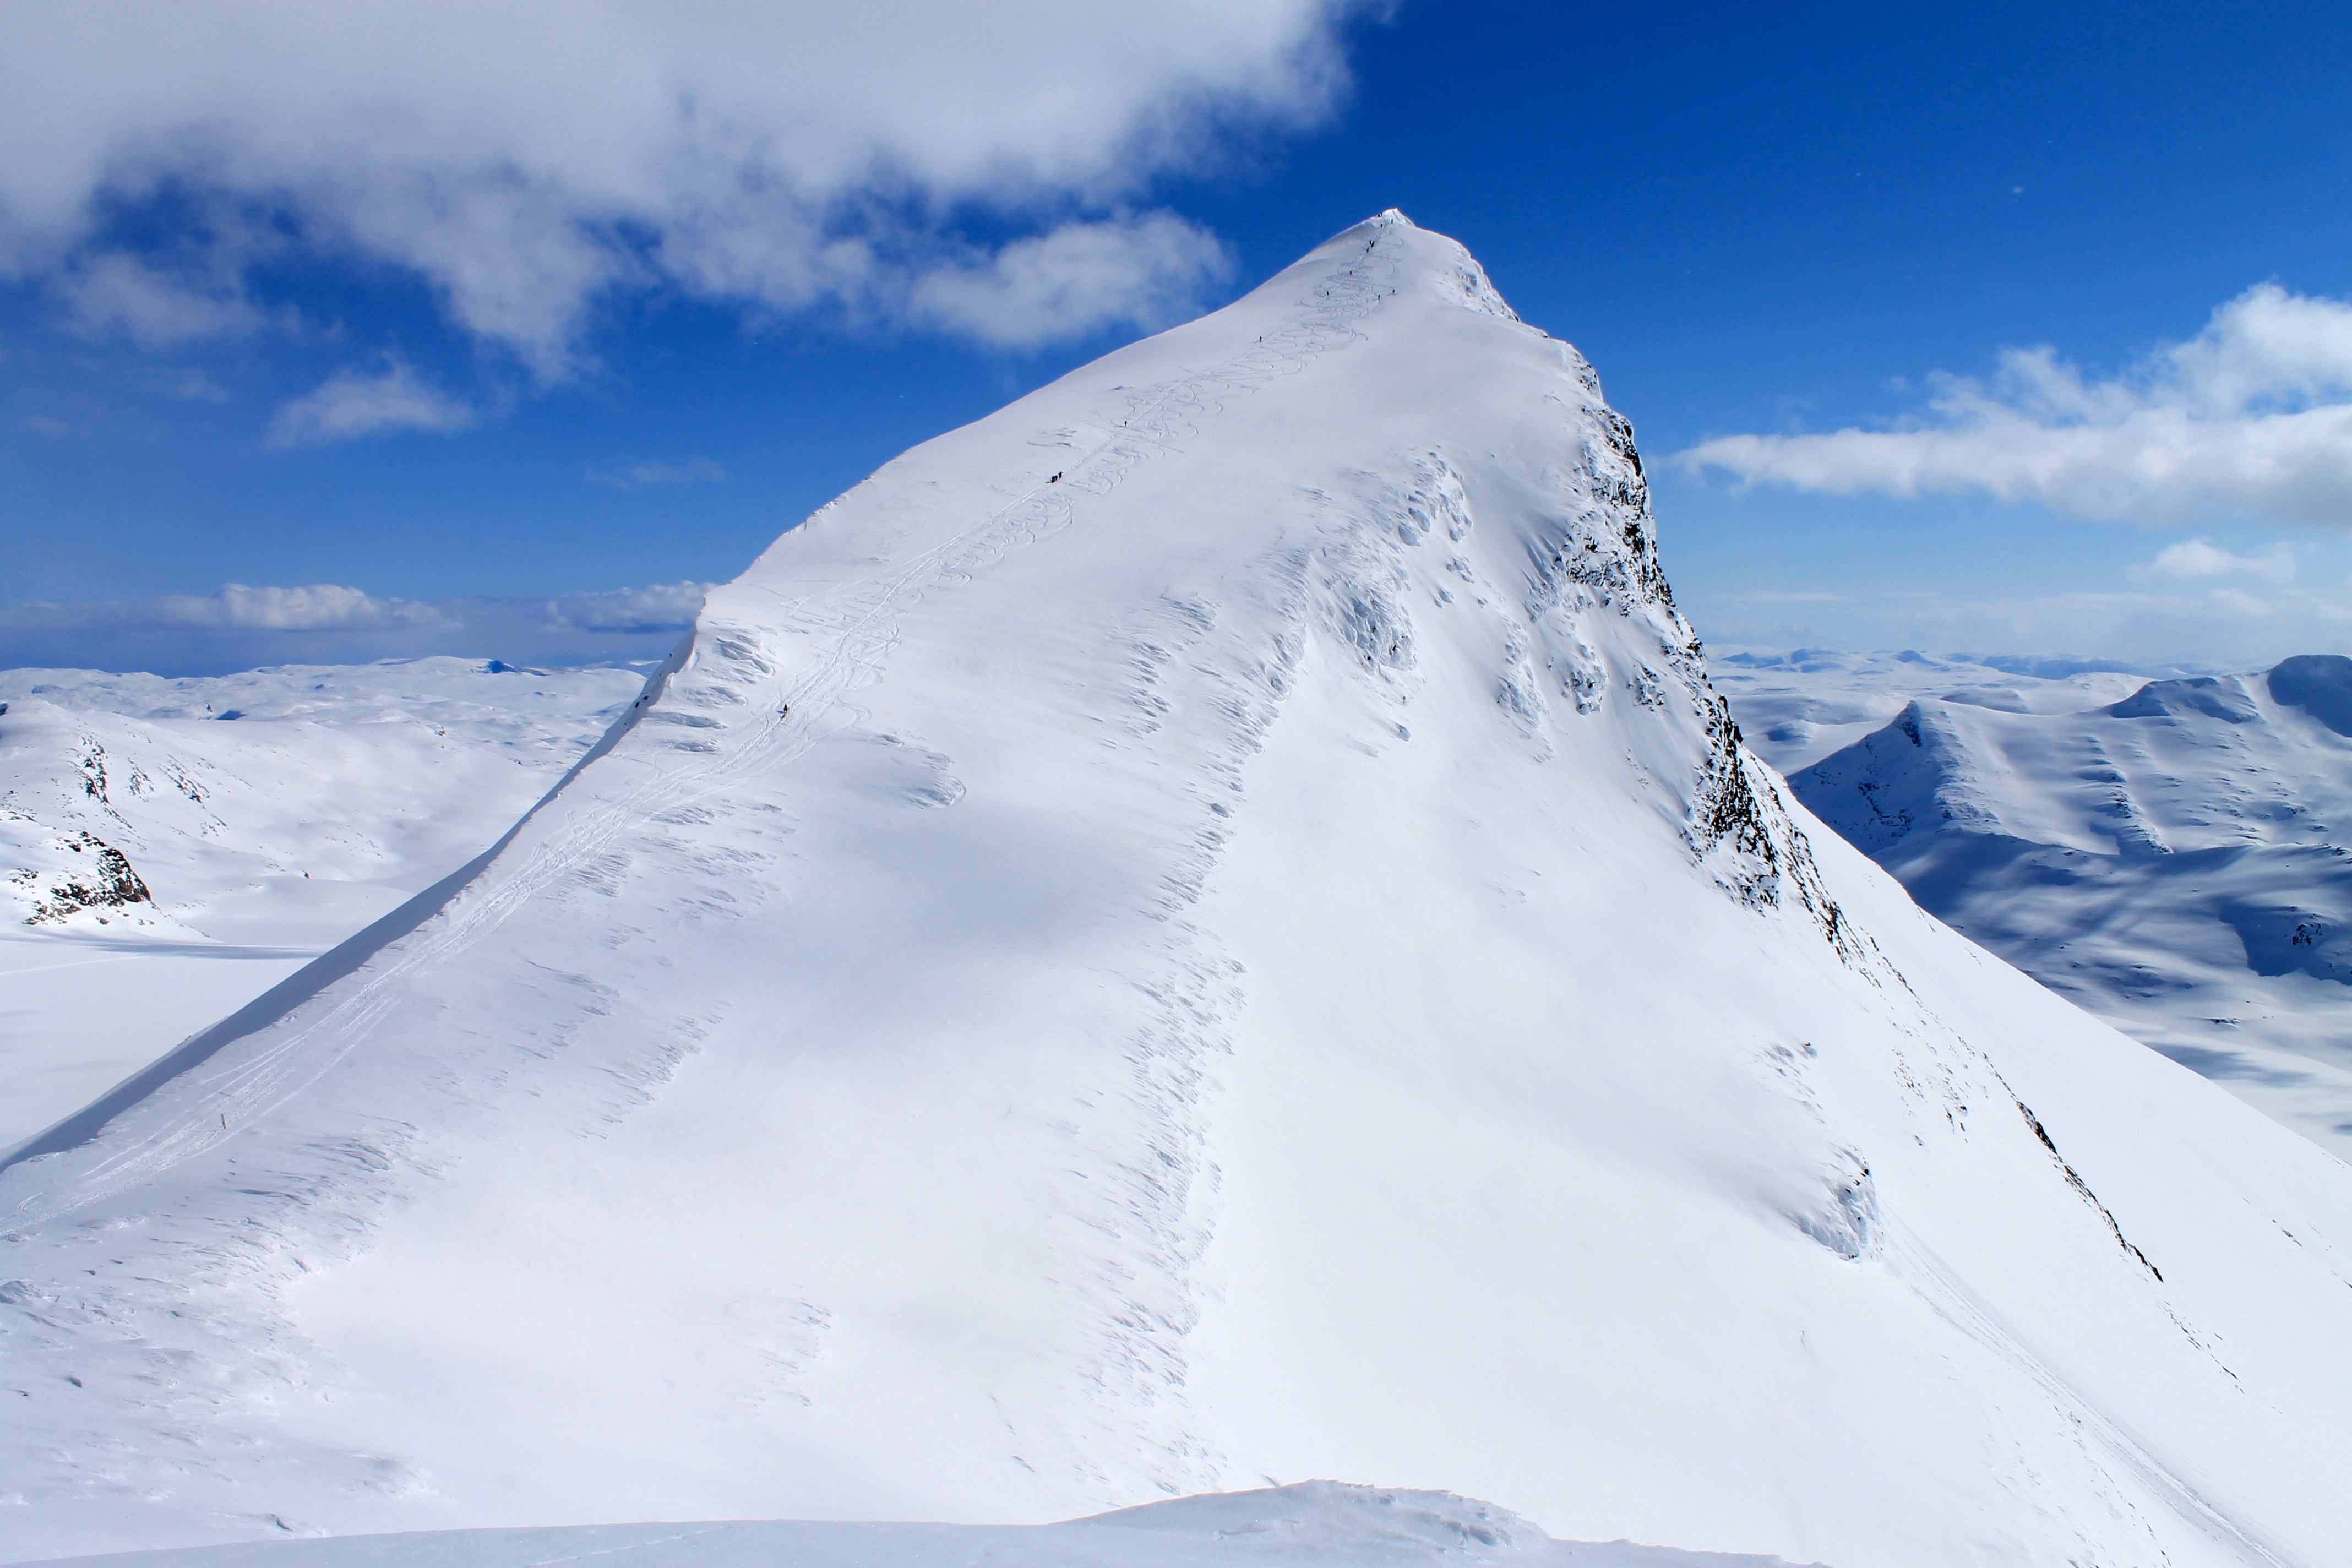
(172, 849)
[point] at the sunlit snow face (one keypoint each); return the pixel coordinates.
(1206, 926)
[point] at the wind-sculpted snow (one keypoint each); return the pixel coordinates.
(2176, 861)
(1207, 927)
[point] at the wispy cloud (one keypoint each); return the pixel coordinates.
(526, 160)
(2253, 415)
(2200, 560)
(666, 607)
(353, 403)
(112, 292)
(638, 476)
(1131, 271)
(323, 606)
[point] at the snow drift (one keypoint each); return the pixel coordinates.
(1206, 928)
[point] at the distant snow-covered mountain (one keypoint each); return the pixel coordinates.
(2178, 861)
(171, 849)
(1798, 706)
(1208, 927)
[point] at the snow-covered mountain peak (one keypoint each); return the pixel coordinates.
(2227, 698)
(1416, 357)
(1447, 266)
(1207, 926)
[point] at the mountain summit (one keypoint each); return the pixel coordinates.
(1207, 927)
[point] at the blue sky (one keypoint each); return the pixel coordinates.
(432, 331)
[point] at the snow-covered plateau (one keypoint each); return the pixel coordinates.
(171, 849)
(2171, 854)
(1204, 931)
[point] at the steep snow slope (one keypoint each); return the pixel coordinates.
(1206, 927)
(2176, 862)
(159, 868)
(1315, 1522)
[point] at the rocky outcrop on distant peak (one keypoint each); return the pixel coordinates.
(94, 875)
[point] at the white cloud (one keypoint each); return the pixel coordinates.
(195, 386)
(1134, 271)
(323, 606)
(2253, 415)
(664, 607)
(636, 476)
(2198, 559)
(525, 157)
(351, 404)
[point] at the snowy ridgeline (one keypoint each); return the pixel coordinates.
(2173, 852)
(1208, 926)
(1312, 1524)
(171, 849)
(2170, 862)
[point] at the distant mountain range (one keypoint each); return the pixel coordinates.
(2175, 857)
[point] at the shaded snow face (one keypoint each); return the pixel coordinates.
(2176, 861)
(2320, 684)
(1208, 926)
